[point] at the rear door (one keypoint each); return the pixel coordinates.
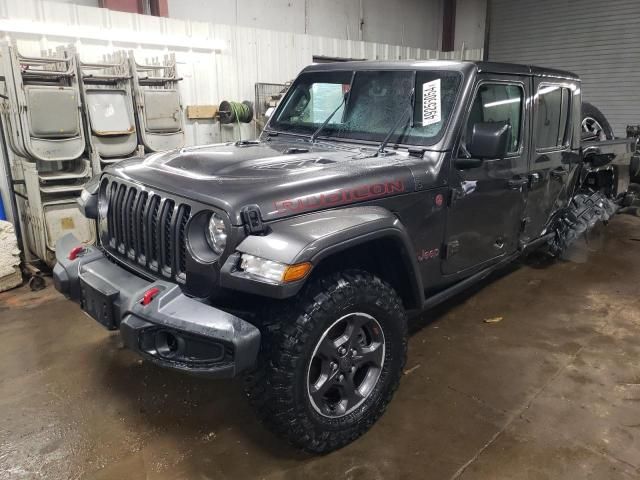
(487, 203)
(553, 162)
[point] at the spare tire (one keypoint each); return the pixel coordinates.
(595, 125)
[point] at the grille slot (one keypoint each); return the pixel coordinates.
(147, 229)
(167, 236)
(184, 213)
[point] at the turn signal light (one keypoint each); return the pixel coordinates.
(296, 272)
(76, 252)
(149, 295)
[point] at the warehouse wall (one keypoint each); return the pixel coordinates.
(414, 23)
(470, 22)
(85, 3)
(602, 45)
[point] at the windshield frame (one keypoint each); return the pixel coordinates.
(414, 69)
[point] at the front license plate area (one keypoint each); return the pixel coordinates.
(98, 299)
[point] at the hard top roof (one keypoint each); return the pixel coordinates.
(490, 67)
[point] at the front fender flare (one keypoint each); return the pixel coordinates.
(316, 236)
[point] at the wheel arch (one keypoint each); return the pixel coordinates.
(367, 237)
(384, 253)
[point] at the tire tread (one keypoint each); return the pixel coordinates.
(286, 330)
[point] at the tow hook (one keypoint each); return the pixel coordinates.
(149, 295)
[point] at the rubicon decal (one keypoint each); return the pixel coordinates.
(340, 196)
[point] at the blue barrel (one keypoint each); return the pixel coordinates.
(2, 214)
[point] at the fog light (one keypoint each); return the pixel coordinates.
(272, 270)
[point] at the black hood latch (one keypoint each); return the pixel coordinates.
(252, 219)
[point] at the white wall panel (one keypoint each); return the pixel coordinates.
(334, 18)
(217, 62)
(415, 23)
(86, 3)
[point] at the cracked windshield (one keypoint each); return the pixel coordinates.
(365, 106)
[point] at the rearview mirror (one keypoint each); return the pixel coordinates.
(489, 140)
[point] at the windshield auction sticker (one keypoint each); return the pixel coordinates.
(431, 103)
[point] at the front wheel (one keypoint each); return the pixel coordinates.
(331, 361)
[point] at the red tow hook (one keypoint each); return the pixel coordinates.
(76, 252)
(149, 295)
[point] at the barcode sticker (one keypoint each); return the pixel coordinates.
(431, 103)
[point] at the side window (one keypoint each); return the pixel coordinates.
(552, 117)
(498, 103)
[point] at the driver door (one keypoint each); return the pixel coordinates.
(488, 200)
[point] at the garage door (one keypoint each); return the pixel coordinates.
(598, 40)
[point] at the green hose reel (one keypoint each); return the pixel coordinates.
(235, 112)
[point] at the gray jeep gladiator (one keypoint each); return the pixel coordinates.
(375, 191)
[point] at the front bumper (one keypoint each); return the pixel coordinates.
(172, 330)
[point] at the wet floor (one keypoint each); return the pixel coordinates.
(548, 389)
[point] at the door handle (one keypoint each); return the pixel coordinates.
(517, 183)
(558, 173)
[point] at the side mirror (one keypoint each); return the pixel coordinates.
(489, 140)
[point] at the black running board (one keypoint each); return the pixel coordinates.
(459, 287)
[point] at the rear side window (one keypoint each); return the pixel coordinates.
(552, 117)
(498, 102)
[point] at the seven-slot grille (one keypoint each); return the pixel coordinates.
(147, 229)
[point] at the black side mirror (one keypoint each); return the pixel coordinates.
(489, 140)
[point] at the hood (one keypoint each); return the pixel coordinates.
(281, 178)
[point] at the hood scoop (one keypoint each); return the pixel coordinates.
(295, 164)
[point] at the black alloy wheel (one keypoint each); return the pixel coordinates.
(345, 365)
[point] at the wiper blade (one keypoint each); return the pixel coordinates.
(315, 134)
(408, 109)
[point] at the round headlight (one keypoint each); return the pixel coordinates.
(216, 234)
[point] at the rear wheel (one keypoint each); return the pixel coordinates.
(595, 125)
(331, 361)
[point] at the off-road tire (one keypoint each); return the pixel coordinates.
(278, 388)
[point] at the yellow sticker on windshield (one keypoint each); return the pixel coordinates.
(431, 103)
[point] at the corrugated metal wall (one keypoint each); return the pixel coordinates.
(598, 40)
(217, 62)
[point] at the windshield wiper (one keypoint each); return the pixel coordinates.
(315, 134)
(408, 109)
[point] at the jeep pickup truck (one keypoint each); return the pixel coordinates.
(375, 191)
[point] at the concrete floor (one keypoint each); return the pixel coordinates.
(551, 391)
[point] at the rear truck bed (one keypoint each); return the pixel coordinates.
(602, 191)
(155, 318)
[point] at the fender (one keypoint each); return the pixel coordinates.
(316, 236)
